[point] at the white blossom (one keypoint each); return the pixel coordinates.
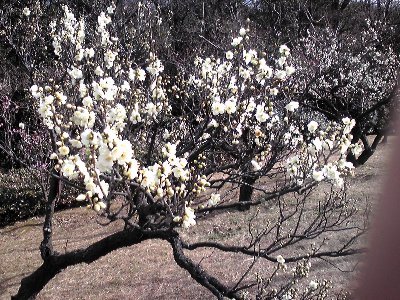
(63, 150)
(312, 126)
(313, 285)
(284, 50)
(318, 175)
(280, 259)
(256, 166)
(229, 55)
(218, 108)
(214, 199)
(292, 106)
(26, 11)
(236, 41)
(188, 218)
(230, 106)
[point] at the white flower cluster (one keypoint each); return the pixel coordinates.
(188, 219)
(225, 81)
(26, 11)
(361, 71)
(90, 129)
(309, 163)
(215, 75)
(214, 199)
(107, 128)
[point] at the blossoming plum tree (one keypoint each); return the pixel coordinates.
(116, 136)
(351, 76)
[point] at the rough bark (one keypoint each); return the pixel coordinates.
(198, 274)
(246, 191)
(368, 151)
(46, 247)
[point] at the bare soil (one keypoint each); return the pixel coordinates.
(148, 270)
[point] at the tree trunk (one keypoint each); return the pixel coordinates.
(46, 246)
(367, 152)
(246, 191)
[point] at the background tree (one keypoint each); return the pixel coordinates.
(351, 76)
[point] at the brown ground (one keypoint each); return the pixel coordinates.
(148, 271)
